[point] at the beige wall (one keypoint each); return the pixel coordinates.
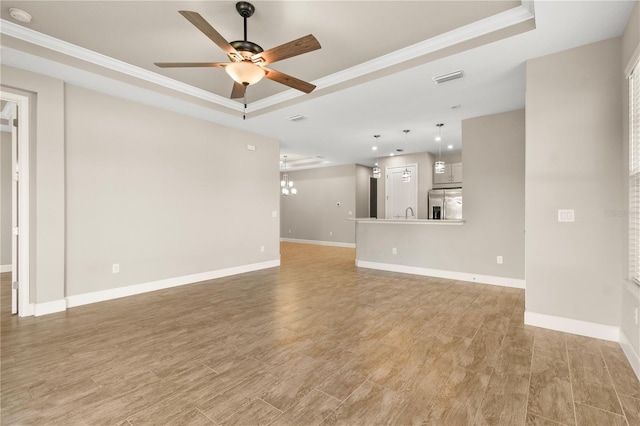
(313, 214)
(162, 195)
(154, 191)
(5, 201)
(573, 157)
(493, 208)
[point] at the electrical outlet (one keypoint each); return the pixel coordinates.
(262, 249)
(394, 250)
(566, 215)
(499, 260)
(115, 268)
(330, 233)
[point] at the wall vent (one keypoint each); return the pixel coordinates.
(296, 117)
(448, 77)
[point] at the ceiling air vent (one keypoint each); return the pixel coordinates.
(448, 77)
(296, 117)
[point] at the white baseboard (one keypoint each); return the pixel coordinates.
(632, 355)
(5, 268)
(573, 326)
(116, 293)
(318, 243)
(439, 273)
(49, 307)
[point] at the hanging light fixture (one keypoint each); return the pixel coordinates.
(377, 171)
(439, 168)
(286, 186)
(406, 175)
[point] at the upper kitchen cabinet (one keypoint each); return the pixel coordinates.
(452, 175)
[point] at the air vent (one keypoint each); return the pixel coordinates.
(448, 77)
(296, 117)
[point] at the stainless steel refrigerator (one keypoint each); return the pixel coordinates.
(445, 204)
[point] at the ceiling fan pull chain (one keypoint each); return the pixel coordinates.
(244, 113)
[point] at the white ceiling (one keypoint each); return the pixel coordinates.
(373, 72)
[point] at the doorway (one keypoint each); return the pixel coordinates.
(401, 195)
(373, 197)
(15, 115)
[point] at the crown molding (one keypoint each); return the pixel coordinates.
(61, 46)
(468, 32)
(476, 29)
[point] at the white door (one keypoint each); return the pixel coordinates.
(401, 195)
(20, 203)
(14, 207)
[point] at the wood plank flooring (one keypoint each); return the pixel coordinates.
(314, 342)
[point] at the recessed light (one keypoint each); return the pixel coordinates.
(391, 155)
(374, 148)
(20, 15)
(450, 146)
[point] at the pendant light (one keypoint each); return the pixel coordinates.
(377, 171)
(286, 186)
(406, 175)
(439, 169)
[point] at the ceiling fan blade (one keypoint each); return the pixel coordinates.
(189, 64)
(293, 48)
(200, 23)
(238, 90)
(287, 80)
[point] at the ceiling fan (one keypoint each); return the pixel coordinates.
(249, 60)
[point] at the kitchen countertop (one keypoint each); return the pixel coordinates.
(409, 221)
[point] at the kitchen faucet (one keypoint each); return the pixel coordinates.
(406, 212)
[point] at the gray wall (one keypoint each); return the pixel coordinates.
(46, 185)
(493, 209)
(5, 202)
(573, 158)
(363, 174)
(313, 213)
(630, 292)
(425, 161)
(162, 195)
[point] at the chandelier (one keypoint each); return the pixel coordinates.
(286, 185)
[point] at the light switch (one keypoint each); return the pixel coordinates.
(566, 215)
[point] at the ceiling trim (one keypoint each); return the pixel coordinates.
(476, 29)
(66, 48)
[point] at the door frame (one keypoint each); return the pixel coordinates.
(24, 307)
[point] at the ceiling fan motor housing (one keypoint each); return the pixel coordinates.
(245, 9)
(246, 48)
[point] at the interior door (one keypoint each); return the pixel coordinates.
(14, 208)
(401, 195)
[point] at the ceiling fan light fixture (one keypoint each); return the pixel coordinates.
(245, 72)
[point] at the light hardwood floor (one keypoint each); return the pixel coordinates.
(316, 341)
